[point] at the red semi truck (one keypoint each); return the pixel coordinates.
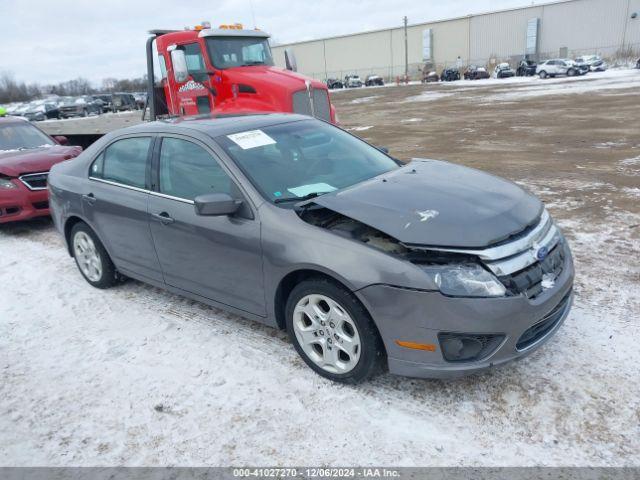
(227, 70)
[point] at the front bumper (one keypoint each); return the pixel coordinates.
(419, 316)
(22, 204)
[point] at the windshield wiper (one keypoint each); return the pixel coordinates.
(252, 63)
(299, 199)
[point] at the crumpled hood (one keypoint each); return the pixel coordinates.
(436, 203)
(17, 162)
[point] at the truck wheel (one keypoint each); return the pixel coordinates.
(92, 259)
(332, 332)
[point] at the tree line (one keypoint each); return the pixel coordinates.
(12, 90)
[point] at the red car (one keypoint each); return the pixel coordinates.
(26, 156)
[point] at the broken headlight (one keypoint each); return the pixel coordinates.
(467, 280)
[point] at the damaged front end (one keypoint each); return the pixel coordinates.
(525, 264)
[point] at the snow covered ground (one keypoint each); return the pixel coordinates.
(137, 376)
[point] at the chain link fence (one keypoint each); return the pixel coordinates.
(615, 56)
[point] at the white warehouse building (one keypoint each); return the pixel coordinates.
(567, 28)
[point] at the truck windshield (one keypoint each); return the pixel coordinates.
(296, 160)
(21, 136)
(228, 52)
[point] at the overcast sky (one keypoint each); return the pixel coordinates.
(50, 41)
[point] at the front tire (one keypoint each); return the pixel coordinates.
(332, 332)
(92, 259)
(543, 74)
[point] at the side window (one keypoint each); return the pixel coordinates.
(193, 54)
(187, 170)
(124, 161)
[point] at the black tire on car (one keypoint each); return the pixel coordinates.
(108, 277)
(543, 74)
(571, 72)
(371, 350)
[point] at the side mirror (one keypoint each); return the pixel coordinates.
(61, 139)
(290, 60)
(179, 64)
(216, 204)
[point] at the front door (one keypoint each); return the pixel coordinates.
(193, 94)
(116, 203)
(219, 258)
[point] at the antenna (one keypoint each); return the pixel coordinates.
(253, 14)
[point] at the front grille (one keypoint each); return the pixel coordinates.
(535, 333)
(35, 181)
(301, 103)
(529, 280)
(320, 108)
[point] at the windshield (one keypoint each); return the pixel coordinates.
(227, 52)
(300, 159)
(19, 136)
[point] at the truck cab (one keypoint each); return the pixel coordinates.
(228, 70)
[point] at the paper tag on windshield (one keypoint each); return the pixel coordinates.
(251, 139)
(305, 190)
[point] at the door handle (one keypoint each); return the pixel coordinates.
(163, 217)
(90, 199)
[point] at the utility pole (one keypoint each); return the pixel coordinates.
(406, 50)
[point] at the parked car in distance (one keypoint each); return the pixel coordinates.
(555, 67)
(26, 156)
(277, 217)
(107, 101)
(429, 77)
(38, 111)
(476, 73)
(141, 99)
(334, 83)
(352, 81)
(581, 67)
(373, 80)
(122, 102)
(638, 63)
(503, 70)
(82, 106)
(595, 62)
(450, 75)
(526, 68)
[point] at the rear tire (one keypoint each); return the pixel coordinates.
(349, 350)
(92, 259)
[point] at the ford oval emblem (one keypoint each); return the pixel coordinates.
(542, 253)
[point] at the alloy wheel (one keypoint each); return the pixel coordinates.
(326, 333)
(87, 256)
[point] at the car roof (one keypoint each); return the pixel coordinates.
(216, 125)
(11, 119)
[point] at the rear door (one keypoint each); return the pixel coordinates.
(219, 258)
(116, 203)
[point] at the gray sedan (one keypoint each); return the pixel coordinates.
(430, 268)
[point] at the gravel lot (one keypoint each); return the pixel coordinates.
(138, 376)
